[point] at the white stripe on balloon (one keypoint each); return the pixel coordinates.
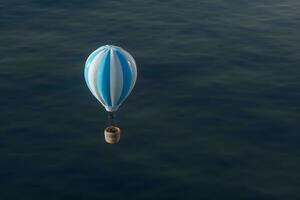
(92, 75)
(133, 69)
(116, 78)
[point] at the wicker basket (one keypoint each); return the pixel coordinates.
(112, 134)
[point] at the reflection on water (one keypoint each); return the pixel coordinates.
(214, 114)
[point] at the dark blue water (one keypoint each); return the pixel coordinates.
(214, 115)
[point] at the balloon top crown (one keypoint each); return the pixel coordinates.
(111, 47)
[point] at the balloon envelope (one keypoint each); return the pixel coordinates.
(110, 73)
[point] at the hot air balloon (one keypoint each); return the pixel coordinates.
(110, 73)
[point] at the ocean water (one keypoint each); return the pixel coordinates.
(215, 113)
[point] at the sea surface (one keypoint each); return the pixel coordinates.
(215, 113)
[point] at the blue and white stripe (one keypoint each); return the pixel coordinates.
(110, 73)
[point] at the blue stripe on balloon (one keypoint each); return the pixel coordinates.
(127, 79)
(88, 63)
(103, 78)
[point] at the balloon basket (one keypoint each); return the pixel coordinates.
(112, 134)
